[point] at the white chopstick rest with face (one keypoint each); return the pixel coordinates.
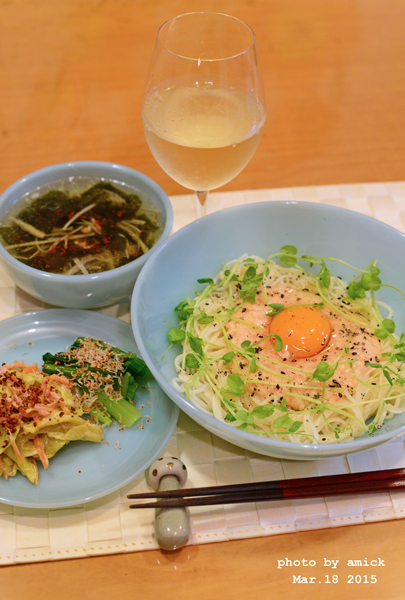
(172, 525)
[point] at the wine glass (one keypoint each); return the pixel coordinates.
(203, 108)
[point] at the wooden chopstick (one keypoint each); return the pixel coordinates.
(309, 487)
(274, 485)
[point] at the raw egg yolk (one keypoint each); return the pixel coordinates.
(304, 330)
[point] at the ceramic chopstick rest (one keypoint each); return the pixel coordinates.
(172, 525)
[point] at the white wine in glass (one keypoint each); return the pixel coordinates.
(204, 109)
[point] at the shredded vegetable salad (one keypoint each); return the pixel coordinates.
(76, 394)
(38, 417)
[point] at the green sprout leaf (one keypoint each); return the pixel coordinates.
(368, 281)
(288, 249)
(323, 371)
(400, 355)
(285, 422)
(387, 376)
(229, 417)
(371, 280)
(228, 357)
(236, 385)
(233, 278)
(250, 283)
(296, 425)
(248, 348)
(244, 416)
(250, 274)
(275, 309)
(262, 412)
(324, 277)
(389, 325)
(192, 361)
(176, 335)
(278, 342)
(184, 310)
(196, 344)
(288, 256)
(356, 290)
(283, 406)
(205, 319)
(253, 365)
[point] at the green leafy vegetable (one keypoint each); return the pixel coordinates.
(250, 282)
(323, 371)
(192, 361)
(228, 357)
(176, 335)
(183, 310)
(288, 258)
(275, 309)
(263, 412)
(204, 319)
(236, 385)
(196, 344)
(324, 277)
(105, 376)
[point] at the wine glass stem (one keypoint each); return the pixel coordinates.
(201, 199)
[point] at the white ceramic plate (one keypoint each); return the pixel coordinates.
(84, 471)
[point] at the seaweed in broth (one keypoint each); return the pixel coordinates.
(100, 229)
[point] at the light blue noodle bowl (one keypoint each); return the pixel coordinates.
(198, 251)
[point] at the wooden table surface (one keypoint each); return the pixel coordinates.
(71, 83)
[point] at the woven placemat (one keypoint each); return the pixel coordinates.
(107, 525)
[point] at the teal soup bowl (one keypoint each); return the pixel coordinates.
(85, 289)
